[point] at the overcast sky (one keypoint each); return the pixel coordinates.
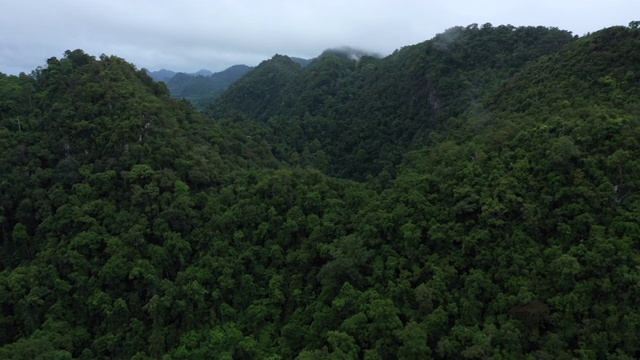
(188, 35)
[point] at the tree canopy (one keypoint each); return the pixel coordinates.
(474, 196)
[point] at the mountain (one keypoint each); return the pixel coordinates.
(503, 222)
(166, 75)
(204, 85)
(365, 114)
(261, 90)
(161, 75)
(197, 87)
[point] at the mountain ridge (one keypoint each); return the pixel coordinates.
(420, 85)
(204, 85)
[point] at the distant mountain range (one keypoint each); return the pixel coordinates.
(204, 84)
(161, 75)
(165, 75)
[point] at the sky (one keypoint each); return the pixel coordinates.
(189, 35)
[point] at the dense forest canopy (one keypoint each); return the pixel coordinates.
(473, 196)
(364, 115)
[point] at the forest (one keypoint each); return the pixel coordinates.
(200, 89)
(473, 196)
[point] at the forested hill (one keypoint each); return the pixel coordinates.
(197, 88)
(363, 115)
(134, 227)
(259, 91)
(202, 87)
(107, 113)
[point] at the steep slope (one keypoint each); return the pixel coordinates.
(93, 150)
(513, 233)
(260, 91)
(104, 109)
(81, 119)
(365, 114)
(536, 189)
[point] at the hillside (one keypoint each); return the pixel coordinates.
(261, 90)
(494, 216)
(201, 87)
(365, 114)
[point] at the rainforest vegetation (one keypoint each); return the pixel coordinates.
(474, 196)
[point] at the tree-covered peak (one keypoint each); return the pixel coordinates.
(105, 111)
(603, 66)
(247, 94)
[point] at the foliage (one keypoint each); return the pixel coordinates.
(365, 114)
(133, 227)
(198, 89)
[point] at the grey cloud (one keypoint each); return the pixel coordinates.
(189, 35)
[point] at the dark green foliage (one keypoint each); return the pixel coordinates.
(366, 114)
(260, 91)
(512, 233)
(198, 89)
